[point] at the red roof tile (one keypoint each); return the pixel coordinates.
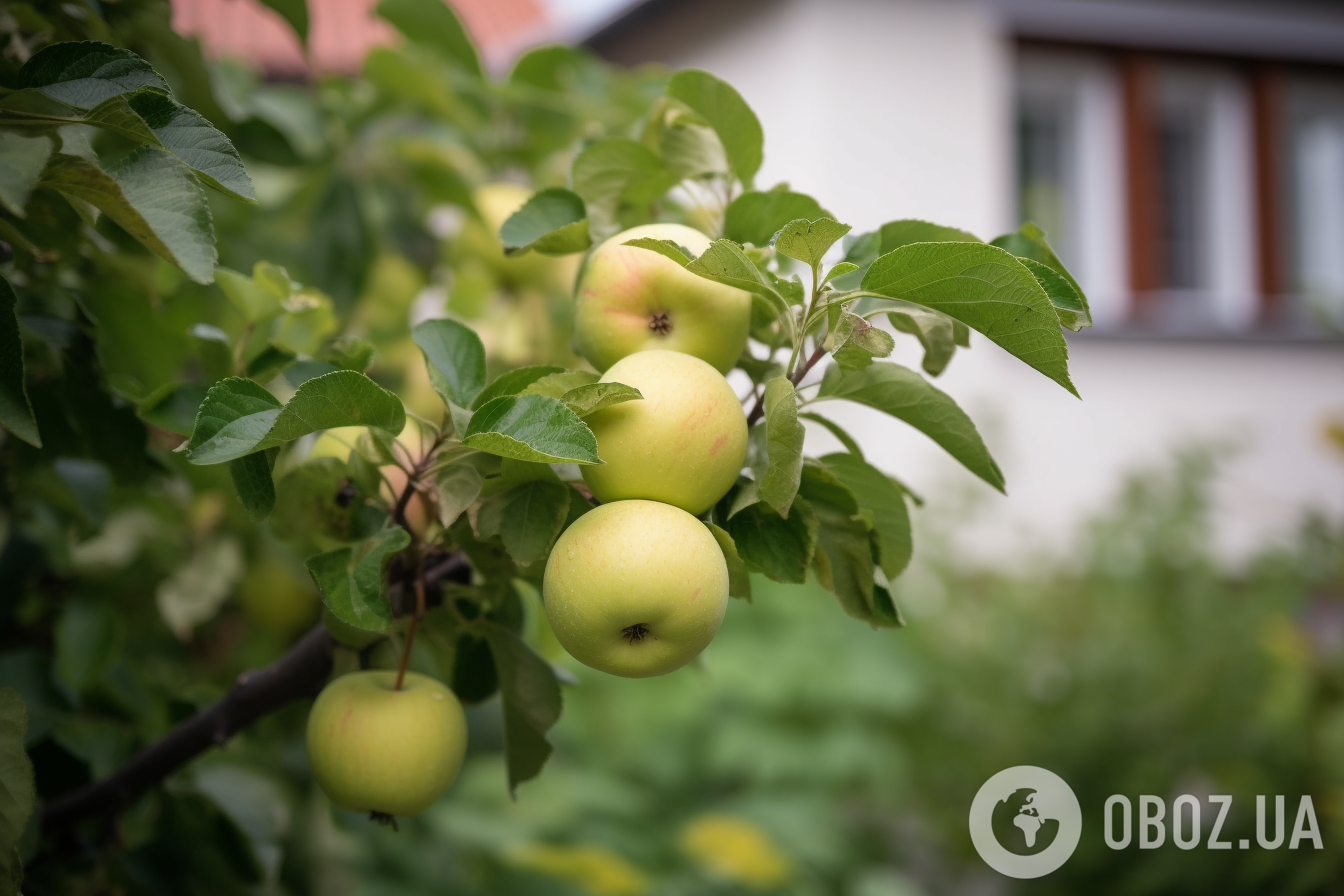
(341, 32)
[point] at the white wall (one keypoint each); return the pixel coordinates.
(906, 112)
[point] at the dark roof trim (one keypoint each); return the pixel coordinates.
(1281, 31)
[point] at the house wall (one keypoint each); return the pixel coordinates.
(902, 108)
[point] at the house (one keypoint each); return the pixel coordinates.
(1188, 159)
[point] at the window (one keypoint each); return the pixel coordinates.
(1315, 159)
(1192, 195)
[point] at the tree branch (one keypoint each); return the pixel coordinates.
(298, 675)
(759, 408)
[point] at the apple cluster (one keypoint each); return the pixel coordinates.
(639, 586)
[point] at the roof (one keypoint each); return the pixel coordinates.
(341, 32)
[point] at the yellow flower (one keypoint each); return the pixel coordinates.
(737, 850)
(594, 869)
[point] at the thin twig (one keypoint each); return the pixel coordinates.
(817, 354)
(415, 623)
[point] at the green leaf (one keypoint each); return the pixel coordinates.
(433, 24)
(665, 248)
(556, 385)
(256, 298)
(186, 134)
(839, 269)
(593, 397)
(16, 411)
(351, 579)
(834, 429)
(844, 557)
(531, 698)
(884, 501)
(865, 248)
(513, 382)
(351, 353)
(553, 222)
(808, 241)
(527, 518)
(985, 288)
(1070, 304)
(739, 577)
(25, 157)
(251, 475)
(725, 262)
(727, 113)
(686, 142)
(936, 332)
(777, 483)
(238, 417)
(455, 358)
(86, 640)
(295, 12)
(533, 428)
(153, 195)
(857, 342)
(907, 396)
(895, 234)
(1029, 245)
(17, 791)
(755, 217)
(86, 73)
(616, 171)
(781, 548)
(456, 488)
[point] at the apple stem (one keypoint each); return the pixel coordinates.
(415, 623)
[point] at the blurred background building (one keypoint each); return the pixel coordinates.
(1187, 158)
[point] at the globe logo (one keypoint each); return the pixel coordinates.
(1019, 827)
(1025, 822)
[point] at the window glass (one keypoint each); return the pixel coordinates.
(1316, 184)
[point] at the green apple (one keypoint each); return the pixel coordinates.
(383, 751)
(630, 300)
(635, 588)
(277, 596)
(684, 443)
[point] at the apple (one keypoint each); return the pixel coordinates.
(630, 300)
(635, 588)
(383, 751)
(684, 443)
(277, 597)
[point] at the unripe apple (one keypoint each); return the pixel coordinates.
(635, 588)
(379, 750)
(277, 597)
(684, 443)
(630, 300)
